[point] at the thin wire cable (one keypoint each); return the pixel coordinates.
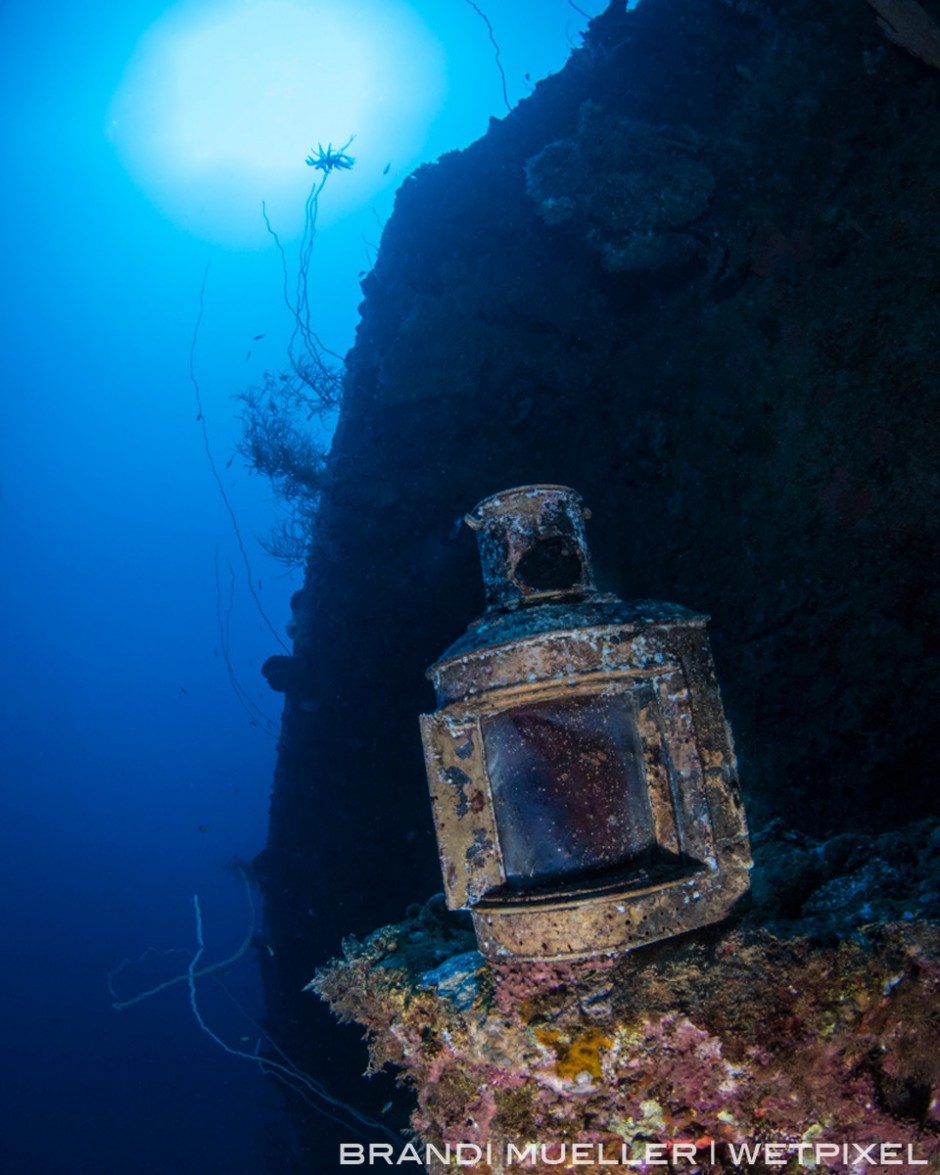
(189, 974)
(292, 1077)
(256, 715)
(201, 418)
(499, 65)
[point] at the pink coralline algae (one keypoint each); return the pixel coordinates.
(734, 1050)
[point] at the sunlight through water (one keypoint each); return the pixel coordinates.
(222, 103)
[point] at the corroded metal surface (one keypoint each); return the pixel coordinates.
(532, 544)
(464, 819)
(581, 770)
(603, 924)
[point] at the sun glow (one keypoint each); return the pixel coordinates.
(223, 102)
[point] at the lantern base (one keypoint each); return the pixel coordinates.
(607, 921)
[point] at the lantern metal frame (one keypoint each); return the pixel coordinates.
(648, 660)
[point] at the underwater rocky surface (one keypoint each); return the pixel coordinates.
(725, 1050)
(695, 276)
(718, 1053)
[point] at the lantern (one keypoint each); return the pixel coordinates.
(582, 774)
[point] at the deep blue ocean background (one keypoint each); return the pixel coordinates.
(133, 774)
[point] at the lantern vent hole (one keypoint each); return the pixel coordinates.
(551, 565)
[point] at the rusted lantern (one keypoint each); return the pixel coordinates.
(581, 770)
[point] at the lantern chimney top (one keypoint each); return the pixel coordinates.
(532, 544)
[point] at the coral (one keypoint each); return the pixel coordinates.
(577, 1054)
(634, 191)
(700, 1046)
(278, 442)
(833, 889)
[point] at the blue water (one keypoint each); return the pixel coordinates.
(133, 770)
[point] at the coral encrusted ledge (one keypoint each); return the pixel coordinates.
(729, 1050)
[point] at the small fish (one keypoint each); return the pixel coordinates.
(183, 691)
(199, 416)
(203, 827)
(255, 338)
(248, 356)
(385, 1109)
(229, 462)
(385, 168)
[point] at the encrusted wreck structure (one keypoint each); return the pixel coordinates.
(743, 1050)
(696, 276)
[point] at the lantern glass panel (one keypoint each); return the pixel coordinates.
(568, 787)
